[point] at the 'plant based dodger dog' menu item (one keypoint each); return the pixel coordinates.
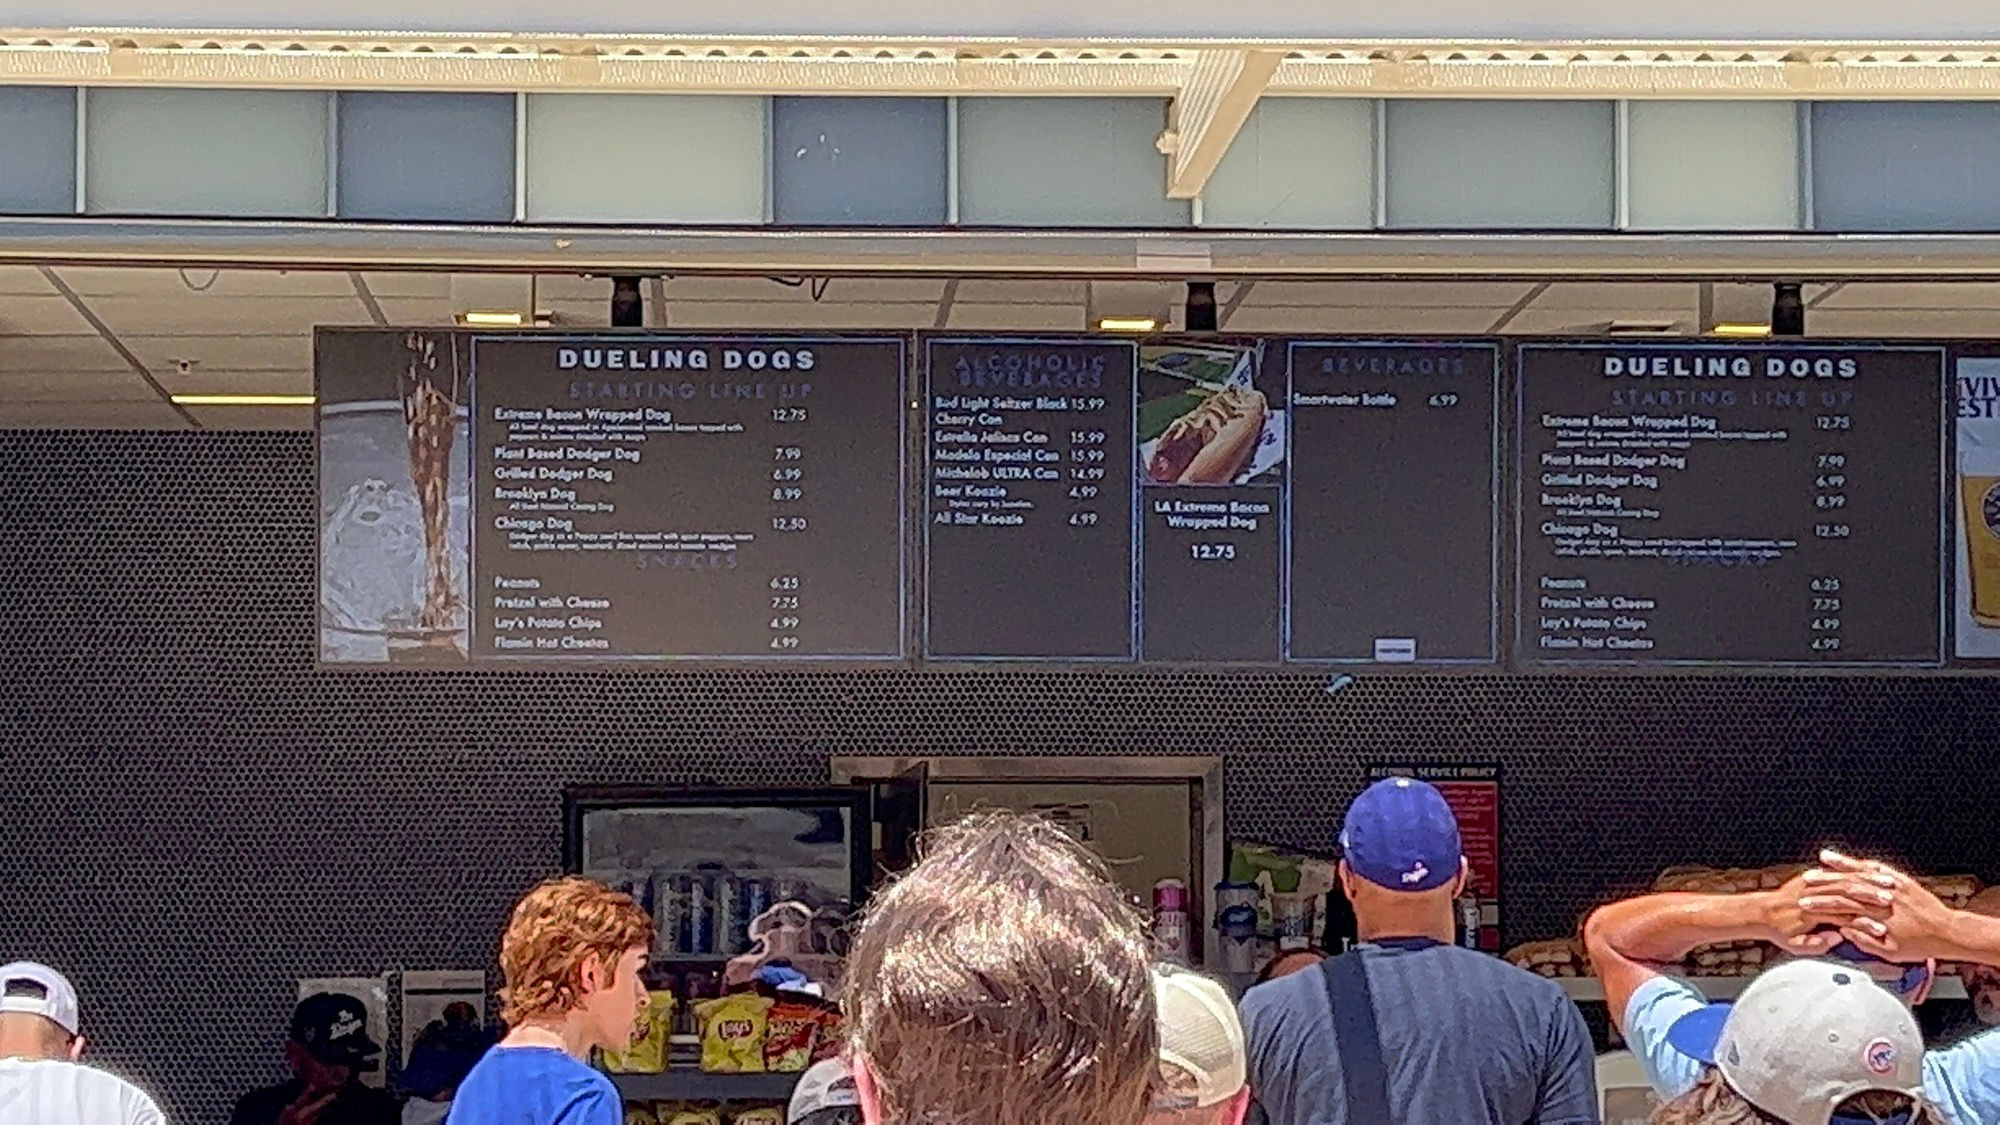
(649, 497)
(1759, 505)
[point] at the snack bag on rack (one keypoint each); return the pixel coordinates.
(694, 1113)
(831, 1035)
(791, 1030)
(760, 1115)
(648, 1053)
(733, 1029)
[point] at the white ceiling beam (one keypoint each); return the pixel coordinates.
(1767, 69)
(1221, 89)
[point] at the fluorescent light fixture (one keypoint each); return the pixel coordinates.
(1733, 329)
(243, 400)
(1640, 327)
(1126, 324)
(492, 318)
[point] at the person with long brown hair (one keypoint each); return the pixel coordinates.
(1005, 980)
(1809, 1043)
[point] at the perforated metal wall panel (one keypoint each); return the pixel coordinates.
(195, 816)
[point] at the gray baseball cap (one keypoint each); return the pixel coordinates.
(1806, 1036)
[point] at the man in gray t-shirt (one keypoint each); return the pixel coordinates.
(1463, 1037)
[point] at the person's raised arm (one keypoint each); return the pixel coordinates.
(1631, 942)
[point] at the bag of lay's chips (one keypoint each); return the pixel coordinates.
(695, 1113)
(790, 1032)
(648, 1053)
(762, 1115)
(732, 1033)
(831, 1035)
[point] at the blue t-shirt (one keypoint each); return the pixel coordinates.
(534, 1086)
(1963, 1080)
(1466, 1038)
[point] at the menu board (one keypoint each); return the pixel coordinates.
(622, 497)
(1394, 502)
(1211, 500)
(1205, 500)
(1028, 485)
(1697, 504)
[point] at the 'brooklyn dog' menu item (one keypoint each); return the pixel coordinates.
(1028, 499)
(1394, 502)
(1707, 504)
(682, 497)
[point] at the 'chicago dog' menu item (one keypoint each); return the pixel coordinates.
(658, 497)
(1394, 502)
(1702, 504)
(1028, 499)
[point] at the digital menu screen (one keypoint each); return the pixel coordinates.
(1394, 512)
(1211, 500)
(535, 497)
(1200, 500)
(1028, 514)
(1694, 505)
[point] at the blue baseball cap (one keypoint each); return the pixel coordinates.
(1401, 835)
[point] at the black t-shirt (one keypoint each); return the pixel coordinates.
(354, 1105)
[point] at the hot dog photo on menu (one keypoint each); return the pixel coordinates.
(1211, 413)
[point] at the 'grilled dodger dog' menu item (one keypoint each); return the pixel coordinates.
(657, 497)
(1701, 504)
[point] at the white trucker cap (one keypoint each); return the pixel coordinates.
(39, 991)
(1808, 1035)
(1200, 1033)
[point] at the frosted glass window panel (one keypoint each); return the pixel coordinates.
(416, 157)
(1064, 162)
(1523, 165)
(646, 159)
(1300, 164)
(1713, 165)
(1906, 166)
(251, 153)
(38, 138)
(859, 161)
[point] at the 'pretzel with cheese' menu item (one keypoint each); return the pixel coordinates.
(1211, 443)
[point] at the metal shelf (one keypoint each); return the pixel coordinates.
(695, 1085)
(1590, 990)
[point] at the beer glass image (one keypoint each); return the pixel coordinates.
(1979, 499)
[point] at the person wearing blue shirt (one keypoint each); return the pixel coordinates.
(1861, 911)
(1407, 1028)
(574, 958)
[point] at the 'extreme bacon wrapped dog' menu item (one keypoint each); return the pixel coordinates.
(656, 497)
(1701, 504)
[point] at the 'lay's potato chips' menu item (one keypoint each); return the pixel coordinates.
(733, 1030)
